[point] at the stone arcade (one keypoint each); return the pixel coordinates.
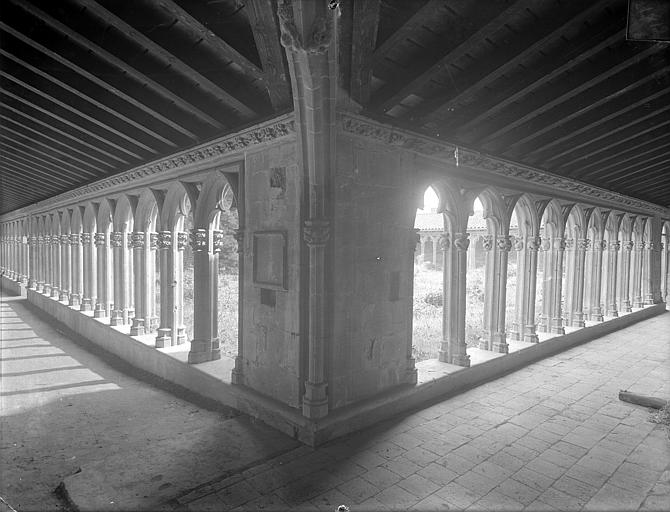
(326, 198)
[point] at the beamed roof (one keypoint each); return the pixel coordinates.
(90, 88)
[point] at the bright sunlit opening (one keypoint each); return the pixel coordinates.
(430, 199)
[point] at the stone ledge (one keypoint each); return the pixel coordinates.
(211, 380)
(12, 287)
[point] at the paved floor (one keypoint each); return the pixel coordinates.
(550, 436)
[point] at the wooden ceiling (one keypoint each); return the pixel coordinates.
(89, 88)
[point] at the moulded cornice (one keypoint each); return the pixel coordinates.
(231, 144)
(359, 126)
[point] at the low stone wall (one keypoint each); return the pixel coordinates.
(12, 287)
(289, 420)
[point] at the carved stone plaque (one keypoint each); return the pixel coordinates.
(270, 265)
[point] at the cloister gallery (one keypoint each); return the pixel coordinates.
(272, 265)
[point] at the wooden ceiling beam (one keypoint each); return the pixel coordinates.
(507, 58)
(631, 174)
(79, 94)
(396, 96)
(11, 152)
(114, 61)
(36, 133)
(623, 106)
(8, 162)
(61, 133)
(641, 152)
(23, 178)
(264, 27)
(67, 122)
(613, 149)
(571, 86)
(203, 83)
(210, 38)
(558, 117)
(57, 161)
(77, 112)
(364, 36)
(33, 140)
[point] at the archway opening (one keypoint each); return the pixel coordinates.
(228, 277)
(480, 265)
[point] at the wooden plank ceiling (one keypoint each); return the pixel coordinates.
(89, 88)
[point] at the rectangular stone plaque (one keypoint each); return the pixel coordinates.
(270, 259)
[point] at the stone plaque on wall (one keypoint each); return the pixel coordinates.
(269, 249)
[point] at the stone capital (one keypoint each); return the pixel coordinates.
(559, 244)
(504, 243)
(545, 244)
(86, 238)
(116, 238)
(239, 237)
(461, 241)
(182, 240)
(487, 242)
(444, 242)
(164, 239)
(136, 240)
(569, 243)
(65, 239)
(217, 240)
(533, 243)
(316, 232)
(614, 245)
(640, 246)
(75, 238)
(583, 244)
(518, 244)
(198, 240)
(628, 245)
(99, 239)
(153, 241)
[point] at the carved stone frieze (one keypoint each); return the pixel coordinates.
(198, 240)
(316, 232)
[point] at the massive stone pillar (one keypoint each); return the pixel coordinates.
(555, 310)
(119, 313)
(104, 266)
(138, 244)
(612, 278)
(90, 272)
(504, 244)
(636, 277)
(205, 343)
(624, 279)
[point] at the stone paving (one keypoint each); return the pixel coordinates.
(552, 436)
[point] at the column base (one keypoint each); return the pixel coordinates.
(74, 300)
(237, 375)
(46, 289)
(164, 337)
(315, 401)
(612, 313)
(31, 284)
(86, 304)
(151, 324)
(578, 323)
(411, 374)
(204, 350)
(55, 293)
(64, 296)
(39, 287)
(461, 360)
(499, 344)
(99, 311)
(117, 317)
(137, 327)
(530, 335)
(443, 354)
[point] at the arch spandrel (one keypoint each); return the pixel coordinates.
(207, 207)
(104, 217)
(146, 212)
(90, 217)
(123, 214)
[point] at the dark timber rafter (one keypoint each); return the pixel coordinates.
(266, 35)
(77, 112)
(118, 63)
(33, 162)
(640, 154)
(364, 36)
(21, 168)
(573, 85)
(201, 81)
(35, 178)
(484, 74)
(97, 81)
(211, 39)
(460, 51)
(91, 100)
(46, 126)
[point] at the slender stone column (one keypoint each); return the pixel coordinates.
(665, 254)
(636, 284)
(65, 268)
(612, 277)
(490, 291)
(647, 285)
(150, 317)
(530, 289)
(238, 370)
(168, 287)
(455, 275)
(56, 263)
(577, 296)
(89, 273)
(515, 331)
(596, 312)
(40, 266)
(100, 241)
(48, 266)
(624, 277)
(205, 343)
(547, 285)
(137, 243)
(504, 245)
(558, 251)
(119, 314)
(77, 269)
